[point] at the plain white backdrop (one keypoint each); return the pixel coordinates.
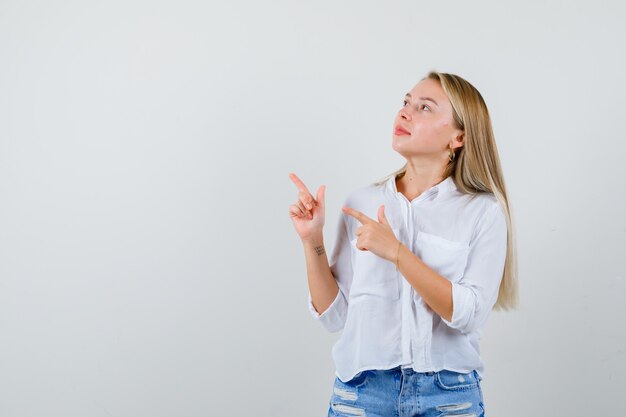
(148, 264)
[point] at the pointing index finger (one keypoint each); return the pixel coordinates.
(298, 183)
(357, 215)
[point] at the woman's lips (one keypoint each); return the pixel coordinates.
(400, 132)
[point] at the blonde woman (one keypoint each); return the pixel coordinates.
(420, 260)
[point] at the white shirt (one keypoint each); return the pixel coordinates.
(385, 322)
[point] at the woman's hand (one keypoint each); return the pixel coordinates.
(375, 236)
(307, 214)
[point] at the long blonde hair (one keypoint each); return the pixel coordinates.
(476, 168)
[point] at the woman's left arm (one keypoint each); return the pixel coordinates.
(466, 303)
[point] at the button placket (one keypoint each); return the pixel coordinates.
(409, 321)
(405, 330)
(416, 324)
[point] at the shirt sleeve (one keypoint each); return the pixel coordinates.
(475, 294)
(334, 317)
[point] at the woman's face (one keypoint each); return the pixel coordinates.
(426, 118)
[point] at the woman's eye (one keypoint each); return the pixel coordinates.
(404, 103)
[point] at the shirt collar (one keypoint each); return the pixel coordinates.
(437, 190)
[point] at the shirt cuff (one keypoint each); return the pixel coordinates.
(462, 307)
(333, 318)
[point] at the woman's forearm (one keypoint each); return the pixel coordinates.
(322, 283)
(432, 287)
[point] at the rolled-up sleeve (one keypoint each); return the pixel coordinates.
(334, 317)
(475, 294)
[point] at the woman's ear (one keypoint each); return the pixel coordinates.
(460, 140)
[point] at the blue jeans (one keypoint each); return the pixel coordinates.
(405, 393)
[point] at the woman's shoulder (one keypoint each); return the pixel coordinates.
(478, 205)
(484, 199)
(487, 199)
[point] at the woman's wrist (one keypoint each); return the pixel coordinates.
(316, 238)
(398, 255)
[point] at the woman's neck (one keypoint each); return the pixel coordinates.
(412, 186)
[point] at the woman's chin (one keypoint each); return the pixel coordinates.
(397, 148)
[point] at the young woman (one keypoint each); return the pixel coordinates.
(420, 260)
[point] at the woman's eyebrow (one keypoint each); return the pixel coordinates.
(424, 98)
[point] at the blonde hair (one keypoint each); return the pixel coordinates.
(476, 168)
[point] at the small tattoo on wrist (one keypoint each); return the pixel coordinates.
(319, 250)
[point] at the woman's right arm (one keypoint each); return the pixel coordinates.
(322, 283)
(330, 306)
(328, 279)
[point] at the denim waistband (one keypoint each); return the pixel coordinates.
(408, 370)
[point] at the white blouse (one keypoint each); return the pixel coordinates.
(385, 322)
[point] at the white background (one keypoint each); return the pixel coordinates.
(148, 265)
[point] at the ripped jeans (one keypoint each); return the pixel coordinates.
(402, 392)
